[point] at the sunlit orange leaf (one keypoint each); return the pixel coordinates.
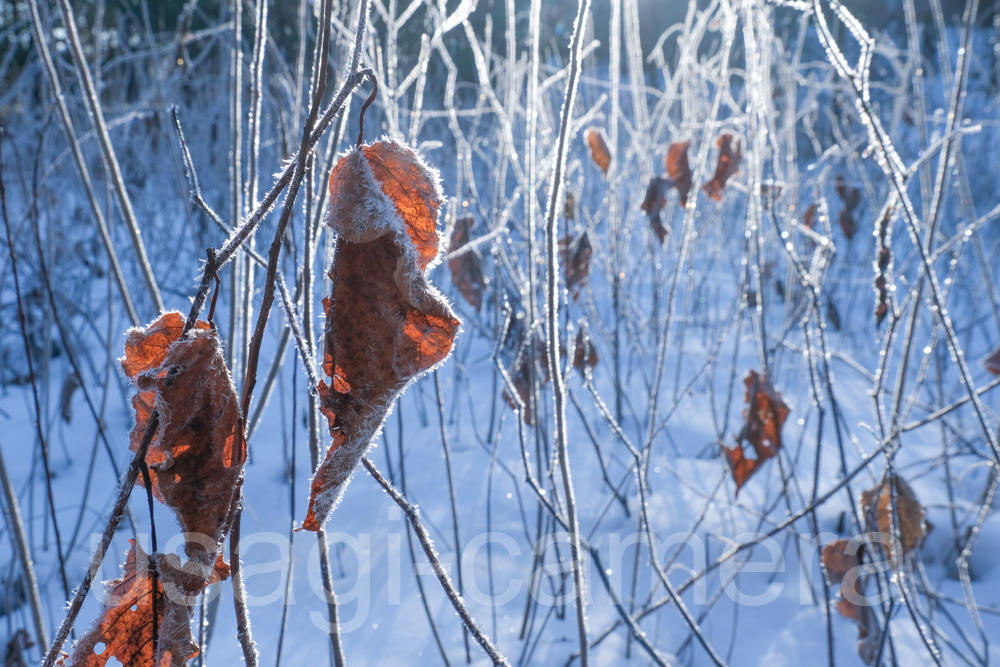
(466, 269)
(124, 629)
(191, 459)
(877, 503)
(765, 415)
(678, 169)
(992, 362)
(575, 257)
(599, 150)
(728, 166)
(385, 323)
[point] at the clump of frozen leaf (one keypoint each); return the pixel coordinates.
(466, 269)
(765, 415)
(385, 323)
(727, 166)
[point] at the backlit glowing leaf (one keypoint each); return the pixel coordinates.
(192, 462)
(125, 625)
(385, 323)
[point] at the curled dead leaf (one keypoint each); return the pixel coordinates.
(466, 269)
(910, 514)
(678, 169)
(385, 323)
(851, 196)
(727, 166)
(125, 624)
(532, 362)
(599, 150)
(838, 562)
(765, 415)
(196, 457)
(653, 203)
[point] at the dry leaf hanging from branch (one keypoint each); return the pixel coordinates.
(727, 166)
(521, 377)
(125, 624)
(653, 203)
(678, 170)
(466, 269)
(838, 563)
(599, 150)
(851, 196)
(910, 515)
(575, 256)
(196, 456)
(765, 415)
(385, 323)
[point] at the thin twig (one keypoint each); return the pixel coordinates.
(413, 515)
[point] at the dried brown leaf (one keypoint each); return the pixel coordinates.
(196, 457)
(838, 562)
(653, 203)
(765, 414)
(727, 166)
(678, 169)
(877, 503)
(466, 269)
(125, 624)
(599, 150)
(385, 323)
